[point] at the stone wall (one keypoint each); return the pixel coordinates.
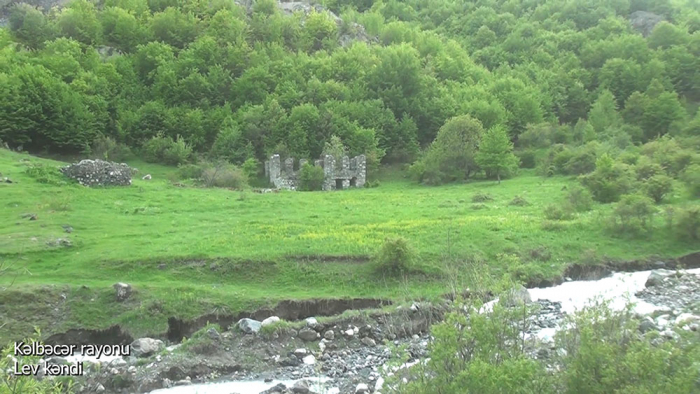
(99, 173)
(351, 173)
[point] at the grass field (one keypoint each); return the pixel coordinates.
(163, 240)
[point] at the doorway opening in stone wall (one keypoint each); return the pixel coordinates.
(353, 182)
(339, 184)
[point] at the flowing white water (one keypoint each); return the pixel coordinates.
(243, 387)
(619, 289)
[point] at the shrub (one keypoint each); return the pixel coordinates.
(47, 174)
(190, 171)
(633, 214)
(609, 181)
(251, 168)
(161, 149)
(395, 256)
(688, 224)
(225, 175)
(556, 212)
(372, 184)
(519, 201)
(528, 158)
(658, 186)
(311, 177)
(691, 177)
(106, 148)
(579, 199)
(549, 225)
(481, 197)
(580, 162)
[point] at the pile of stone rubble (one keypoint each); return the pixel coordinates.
(99, 173)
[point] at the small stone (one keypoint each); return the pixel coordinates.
(162, 266)
(362, 388)
(300, 353)
(249, 326)
(308, 334)
(123, 290)
(647, 325)
(147, 177)
(309, 360)
(145, 347)
(367, 341)
(67, 229)
(349, 333)
(656, 277)
(329, 335)
(300, 387)
(100, 388)
(213, 334)
(270, 320)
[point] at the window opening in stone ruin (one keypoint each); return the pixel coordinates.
(339, 184)
(353, 182)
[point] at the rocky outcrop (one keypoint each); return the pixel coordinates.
(99, 173)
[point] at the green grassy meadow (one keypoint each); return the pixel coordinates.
(189, 251)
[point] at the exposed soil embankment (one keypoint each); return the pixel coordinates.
(111, 336)
(290, 310)
(599, 271)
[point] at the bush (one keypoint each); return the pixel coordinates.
(632, 214)
(225, 175)
(519, 201)
(161, 149)
(311, 177)
(372, 184)
(691, 177)
(481, 197)
(688, 224)
(106, 148)
(579, 199)
(178, 152)
(251, 168)
(556, 212)
(658, 186)
(395, 256)
(47, 174)
(528, 158)
(609, 181)
(580, 162)
(190, 171)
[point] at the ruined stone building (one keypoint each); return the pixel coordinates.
(350, 173)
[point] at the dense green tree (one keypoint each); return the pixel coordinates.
(495, 155)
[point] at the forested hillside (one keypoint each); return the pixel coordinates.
(242, 81)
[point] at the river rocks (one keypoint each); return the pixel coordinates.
(647, 324)
(313, 324)
(367, 341)
(309, 360)
(675, 292)
(145, 347)
(308, 334)
(301, 387)
(657, 277)
(517, 296)
(123, 291)
(686, 318)
(362, 388)
(329, 335)
(270, 320)
(99, 173)
(249, 326)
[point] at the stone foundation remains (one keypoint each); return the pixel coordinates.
(99, 173)
(350, 173)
